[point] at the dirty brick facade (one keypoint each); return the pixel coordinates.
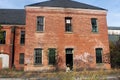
(58, 33)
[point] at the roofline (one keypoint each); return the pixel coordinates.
(113, 28)
(10, 9)
(11, 25)
(99, 8)
(41, 7)
(62, 8)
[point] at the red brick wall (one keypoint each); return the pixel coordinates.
(0, 63)
(6, 48)
(54, 36)
(19, 48)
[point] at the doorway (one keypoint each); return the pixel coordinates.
(4, 62)
(69, 58)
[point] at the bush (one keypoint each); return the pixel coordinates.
(115, 54)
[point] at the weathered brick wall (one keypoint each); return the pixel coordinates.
(19, 48)
(54, 36)
(0, 63)
(6, 48)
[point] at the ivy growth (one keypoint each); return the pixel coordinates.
(1, 33)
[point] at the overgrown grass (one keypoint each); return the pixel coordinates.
(73, 75)
(88, 75)
(5, 73)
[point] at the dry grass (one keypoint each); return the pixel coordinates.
(5, 73)
(92, 75)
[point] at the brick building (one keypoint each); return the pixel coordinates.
(54, 34)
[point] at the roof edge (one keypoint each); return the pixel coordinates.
(61, 8)
(49, 3)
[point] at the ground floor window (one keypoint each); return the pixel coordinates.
(52, 53)
(21, 58)
(98, 55)
(38, 56)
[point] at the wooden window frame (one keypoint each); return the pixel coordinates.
(99, 55)
(38, 56)
(21, 58)
(94, 22)
(40, 24)
(68, 24)
(22, 38)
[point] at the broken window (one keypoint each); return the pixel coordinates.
(94, 25)
(40, 23)
(68, 24)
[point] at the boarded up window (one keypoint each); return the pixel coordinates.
(5, 60)
(52, 53)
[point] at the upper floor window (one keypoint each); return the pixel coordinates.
(40, 23)
(52, 53)
(38, 56)
(94, 25)
(22, 38)
(21, 58)
(98, 55)
(2, 37)
(68, 24)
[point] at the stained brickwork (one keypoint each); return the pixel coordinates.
(7, 47)
(0, 63)
(82, 39)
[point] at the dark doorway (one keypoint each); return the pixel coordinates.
(69, 58)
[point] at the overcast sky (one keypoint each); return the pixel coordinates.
(113, 7)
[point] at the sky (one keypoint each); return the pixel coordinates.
(113, 7)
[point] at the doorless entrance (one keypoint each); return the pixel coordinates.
(69, 58)
(4, 61)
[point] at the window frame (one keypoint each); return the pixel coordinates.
(35, 54)
(70, 52)
(50, 62)
(40, 25)
(68, 24)
(3, 41)
(22, 39)
(99, 55)
(21, 58)
(94, 24)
